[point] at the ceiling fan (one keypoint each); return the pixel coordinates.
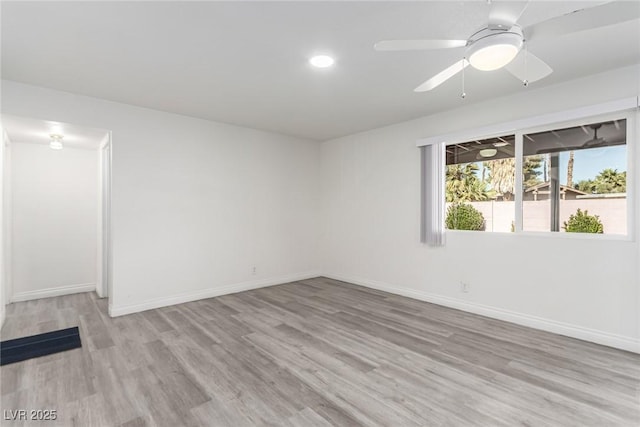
(500, 43)
(594, 142)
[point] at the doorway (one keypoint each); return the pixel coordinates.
(56, 209)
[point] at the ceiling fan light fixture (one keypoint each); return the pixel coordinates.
(496, 49)
(493, 57)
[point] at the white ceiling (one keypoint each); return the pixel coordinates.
(246, 62)
(24, 129)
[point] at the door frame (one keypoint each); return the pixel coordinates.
(104, 255)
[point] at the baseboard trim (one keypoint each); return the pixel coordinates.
(560, 328)
(122, 310)
(53, 292)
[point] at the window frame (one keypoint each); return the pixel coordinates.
(632, 139)
(630, 117)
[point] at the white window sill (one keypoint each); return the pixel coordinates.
(552, 235)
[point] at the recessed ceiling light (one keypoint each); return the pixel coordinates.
(321, 61)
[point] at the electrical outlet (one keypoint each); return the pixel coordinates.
(464, 287)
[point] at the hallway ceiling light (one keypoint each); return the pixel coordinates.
(56, 142)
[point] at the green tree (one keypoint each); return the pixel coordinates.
(463, 185)
(586, 185)
(611, 181)
(463, 216)
(531, 170)
(582, 222)
(607, 181)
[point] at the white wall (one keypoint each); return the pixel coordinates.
(371, 208)
(54, 215)
(195, 204)
(5, 204)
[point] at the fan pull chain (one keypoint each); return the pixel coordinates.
(463, 95)
(525, 82)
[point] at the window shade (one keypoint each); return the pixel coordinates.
(432, 195)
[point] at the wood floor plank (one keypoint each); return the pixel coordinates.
(318, 352)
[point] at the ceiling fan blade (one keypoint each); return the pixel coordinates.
(528, 67)
(504, 14)
(539, 11)
(390, 45)
(600, 142)
(610, 13)
(557, 149)
(597, 143)
(442, 76)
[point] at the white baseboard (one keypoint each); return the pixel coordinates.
(560, 328)
(53, 292)
(99, 291)
(121, 310)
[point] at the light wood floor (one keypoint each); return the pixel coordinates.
(313, 353)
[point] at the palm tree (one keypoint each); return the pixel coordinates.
(502, 177)
(570, 169)
(463, 184)
(611, 181)
(607, 181)
(547, 167)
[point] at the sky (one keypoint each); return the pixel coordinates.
(589, 163)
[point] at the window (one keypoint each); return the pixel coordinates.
(567, 179)
(480, 185)
(575, 179)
